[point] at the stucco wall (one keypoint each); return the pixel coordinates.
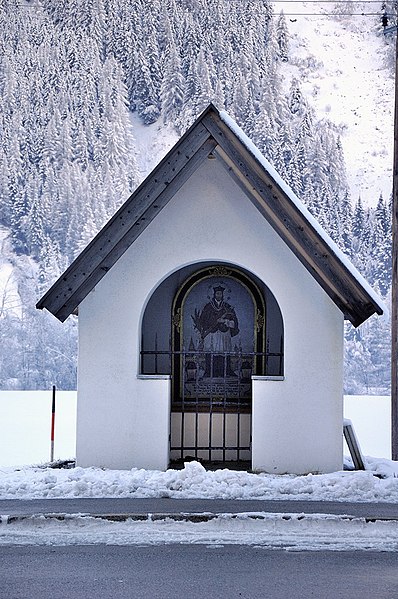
(121, 417)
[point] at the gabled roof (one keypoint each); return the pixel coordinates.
(214, 132)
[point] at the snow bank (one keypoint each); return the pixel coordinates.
(294, 532)
(193, 481)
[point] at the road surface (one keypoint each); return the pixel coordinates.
(194, 572)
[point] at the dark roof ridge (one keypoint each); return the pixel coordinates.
(215, 132)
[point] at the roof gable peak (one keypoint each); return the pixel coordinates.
(214, 132)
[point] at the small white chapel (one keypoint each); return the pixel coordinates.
(210, 312)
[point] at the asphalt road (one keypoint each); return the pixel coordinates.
(154, 506)
(194, 572)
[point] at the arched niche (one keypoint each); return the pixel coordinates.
(158, 331)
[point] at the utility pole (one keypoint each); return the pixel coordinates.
(394, 294)
(394, 281)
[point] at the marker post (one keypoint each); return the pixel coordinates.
(52, 425)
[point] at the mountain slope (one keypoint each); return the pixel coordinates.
(345, 68)
(95, 93)
(345, 64)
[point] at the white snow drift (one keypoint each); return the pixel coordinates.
(294, 532)
(193, 481)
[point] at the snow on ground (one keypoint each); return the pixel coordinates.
(294, 532)
(347, 76)
(193, 481)
(25, 425)
(25, 439)
(301, 532)
(371, 418)
(153, 141)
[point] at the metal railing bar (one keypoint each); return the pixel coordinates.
(213, 447)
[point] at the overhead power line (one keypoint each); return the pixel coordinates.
(331, 14)
(324, 2)
(299, 14)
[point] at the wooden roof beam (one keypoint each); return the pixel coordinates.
(332, 290)
(128, 223)
(288, 221)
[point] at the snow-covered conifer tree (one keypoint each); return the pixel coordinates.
(172, 91)
(282, 36)
(204, 89)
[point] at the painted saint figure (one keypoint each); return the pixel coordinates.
(217, 324)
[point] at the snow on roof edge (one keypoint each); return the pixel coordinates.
(302, 208)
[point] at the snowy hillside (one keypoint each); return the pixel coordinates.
(153, 142)
(94, 95)
(345, 66)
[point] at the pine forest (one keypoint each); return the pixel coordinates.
(76, 76)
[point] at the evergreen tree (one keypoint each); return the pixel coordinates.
(346, 218)
(172, 92)
(358, 363)
(380, 248)
(282, 36)
(241, 102)
(296, 101)
(359, 218)
(204, 89)
(265, 134)
(148, 77)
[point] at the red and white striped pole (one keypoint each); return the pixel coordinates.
(52, 426)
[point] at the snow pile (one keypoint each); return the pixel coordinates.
(297, 532)
(193, 481)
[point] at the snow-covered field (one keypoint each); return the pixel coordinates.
(25, 426)
(26, 421)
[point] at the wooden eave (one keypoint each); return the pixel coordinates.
(63, 298)
(210, 134)
(290, 223)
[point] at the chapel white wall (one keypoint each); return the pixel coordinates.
(123, 420)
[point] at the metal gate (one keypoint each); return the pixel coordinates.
(217, 342)
(211, 403)
(211, 407)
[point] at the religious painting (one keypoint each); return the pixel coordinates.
(220, 324)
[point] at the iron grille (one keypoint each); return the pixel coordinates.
(211, 400)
